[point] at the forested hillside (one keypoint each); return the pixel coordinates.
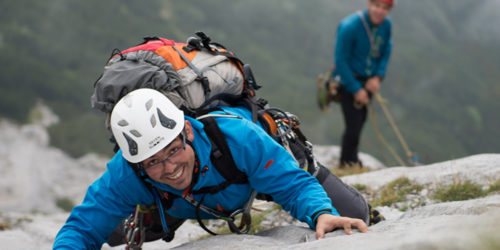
(442, 81)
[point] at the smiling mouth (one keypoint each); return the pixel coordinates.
(176, 174)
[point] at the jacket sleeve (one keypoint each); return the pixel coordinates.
(272, 170)
(108, 201)
(346, 36)
(385, 53)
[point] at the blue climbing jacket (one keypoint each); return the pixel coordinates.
(353, 54)
(269, 167)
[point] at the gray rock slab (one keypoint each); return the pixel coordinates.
(471, 224)
(482, 169)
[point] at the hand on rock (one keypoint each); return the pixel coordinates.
(327, 222)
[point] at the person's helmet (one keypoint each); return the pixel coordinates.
(144, 122)
(388, 2)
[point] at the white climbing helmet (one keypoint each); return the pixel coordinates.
(144, 122)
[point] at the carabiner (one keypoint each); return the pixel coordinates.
(136, 232)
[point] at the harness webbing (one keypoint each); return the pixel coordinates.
(367, 29)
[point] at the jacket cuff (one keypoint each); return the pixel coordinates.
(381, 76)
(320, 212)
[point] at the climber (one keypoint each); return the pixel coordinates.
(362, 51)
(172, 154)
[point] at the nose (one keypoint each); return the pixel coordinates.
(168, 166)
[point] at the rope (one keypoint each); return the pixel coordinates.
(387, 114)
(372, 115)
(382, 103)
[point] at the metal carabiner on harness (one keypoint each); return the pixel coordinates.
(135, 230)
(246, 217)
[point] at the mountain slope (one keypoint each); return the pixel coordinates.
(441, 78)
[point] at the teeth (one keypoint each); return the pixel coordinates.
(179, 173)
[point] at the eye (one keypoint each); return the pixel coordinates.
(174, 150)
(151, 163)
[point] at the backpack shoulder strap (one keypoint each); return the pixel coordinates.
(220, 154)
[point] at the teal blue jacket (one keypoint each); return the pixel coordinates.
(269, 167)
(354, 57)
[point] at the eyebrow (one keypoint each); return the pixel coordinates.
(164, 148)
(170, 144)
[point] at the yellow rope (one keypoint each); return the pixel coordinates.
(382, 103)
(371, 113)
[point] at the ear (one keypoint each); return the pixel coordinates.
(189, 131)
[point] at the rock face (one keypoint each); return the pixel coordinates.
(480, 169)
(33, 176)
(471, 224)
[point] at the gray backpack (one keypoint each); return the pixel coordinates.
(194, 75)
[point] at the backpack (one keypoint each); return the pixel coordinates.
(197, 76)
(192, 75)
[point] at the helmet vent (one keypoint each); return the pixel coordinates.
(132, 145)
(123, 123)
(135, 133)
(165, 121)
(153, 121)
(149, 104)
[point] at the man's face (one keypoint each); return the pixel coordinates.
(173, 165)
(377, 11)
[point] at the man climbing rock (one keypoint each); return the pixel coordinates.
(166, 158)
